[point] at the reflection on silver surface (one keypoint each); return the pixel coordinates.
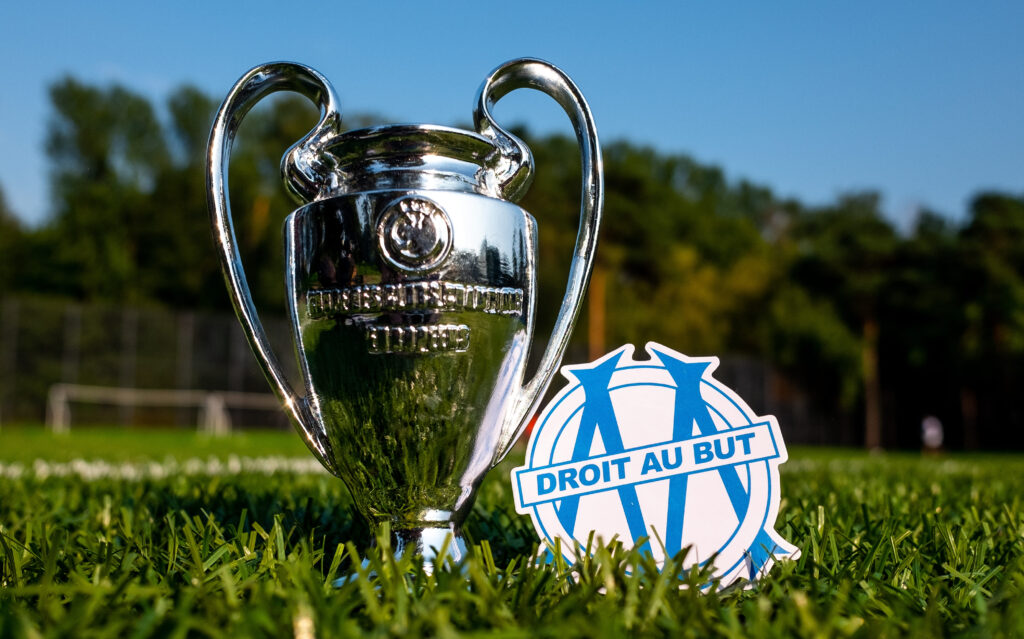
(411, 287)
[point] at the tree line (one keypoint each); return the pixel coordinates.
(877, 325)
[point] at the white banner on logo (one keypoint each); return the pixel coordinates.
(744, 445)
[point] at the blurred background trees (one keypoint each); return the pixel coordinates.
(876, 327)
(10, 245)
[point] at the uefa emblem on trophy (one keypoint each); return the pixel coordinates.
(412, 284)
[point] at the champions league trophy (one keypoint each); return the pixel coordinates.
(412, 283)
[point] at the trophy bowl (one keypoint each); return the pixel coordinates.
(412, 284)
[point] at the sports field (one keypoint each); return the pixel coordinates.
(130, 533)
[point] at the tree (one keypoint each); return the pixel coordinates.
(11, 246)
(844, 253)
(991, 260)
(920, 311)
(107, 150)
(131, 222)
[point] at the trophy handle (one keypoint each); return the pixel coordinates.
(304, 169)
(545, 77)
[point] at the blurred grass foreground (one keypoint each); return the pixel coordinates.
(201, 540)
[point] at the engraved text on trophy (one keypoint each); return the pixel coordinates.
(418, 339)
(415, 297)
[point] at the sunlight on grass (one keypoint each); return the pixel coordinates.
(893, 545)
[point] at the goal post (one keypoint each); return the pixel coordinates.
(213, 416)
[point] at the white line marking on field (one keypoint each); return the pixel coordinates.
(94, 469)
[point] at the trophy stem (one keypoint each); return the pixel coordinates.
(435, 544)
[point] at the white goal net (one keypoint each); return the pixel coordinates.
(213, 415)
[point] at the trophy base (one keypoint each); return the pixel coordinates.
(436, 545)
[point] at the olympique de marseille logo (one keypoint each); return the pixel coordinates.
(656, 452)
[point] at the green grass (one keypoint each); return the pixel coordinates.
(26, 443)
(893, 545)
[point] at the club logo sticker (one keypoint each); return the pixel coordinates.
(661, 452)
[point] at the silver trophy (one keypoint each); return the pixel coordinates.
(412, 283)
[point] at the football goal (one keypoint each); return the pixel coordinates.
(213, 415)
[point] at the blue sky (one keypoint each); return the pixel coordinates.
(922, 101)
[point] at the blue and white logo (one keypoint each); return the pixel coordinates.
(659, 450)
